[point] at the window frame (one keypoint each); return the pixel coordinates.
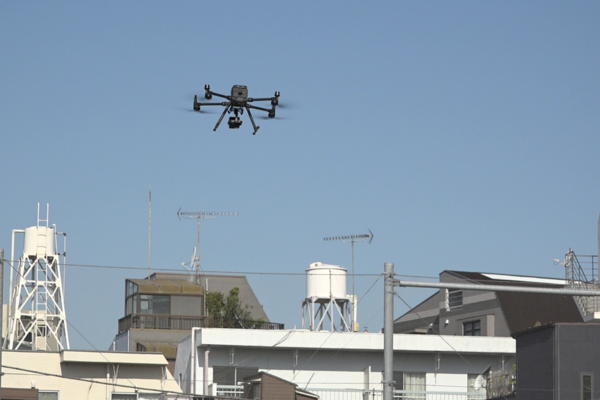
(454, 299)
(50, 391)
(472, 329)
(589, 395)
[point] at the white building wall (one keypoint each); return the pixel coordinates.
(183, 366)
(335, 361)
(78, 375)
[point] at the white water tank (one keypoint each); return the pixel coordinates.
(39, 241)
(325, 281)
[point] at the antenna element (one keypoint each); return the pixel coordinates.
(353, 239)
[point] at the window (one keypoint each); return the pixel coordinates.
(131, 289)
(472, 328)
(148, 396)
(412, 383)
(255, 391)
(231, 375)
(48, 395)
(587, 386)
(398, 380)
(154, 304)
(454, 299)
(123, 396)
(128, 306)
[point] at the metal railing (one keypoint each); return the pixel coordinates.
(227, 390)
(583, 277)
(500, 383)
(373, 394)
(237, 391)
(186, 323)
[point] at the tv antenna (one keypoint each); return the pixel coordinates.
(195, 263)
(353, 239)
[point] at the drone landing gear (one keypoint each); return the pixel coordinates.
(235, 122)
(256, 128)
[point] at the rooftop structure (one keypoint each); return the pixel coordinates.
(37, 319)
(76, 375)
(483, 313)
(216, 361)
(162, 310)
(558, 361)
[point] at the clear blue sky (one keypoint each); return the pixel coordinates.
(465, 135)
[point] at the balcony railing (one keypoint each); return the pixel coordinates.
(359, 394)
(186, 323)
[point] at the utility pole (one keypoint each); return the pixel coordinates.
(1, 312)
(388, 333)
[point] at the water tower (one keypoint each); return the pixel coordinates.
(37, 319)
(326, 299)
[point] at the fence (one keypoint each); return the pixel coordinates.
(357, 394)
(186, 323)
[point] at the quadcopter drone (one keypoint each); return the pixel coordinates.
(236, 103)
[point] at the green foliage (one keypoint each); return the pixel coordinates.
(227, 311)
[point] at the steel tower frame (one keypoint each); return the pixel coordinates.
(37, 317)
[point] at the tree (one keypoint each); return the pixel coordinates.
(227, 311)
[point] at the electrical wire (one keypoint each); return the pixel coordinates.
(439, 335)
(35, 372)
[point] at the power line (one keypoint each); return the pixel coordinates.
(31, 371)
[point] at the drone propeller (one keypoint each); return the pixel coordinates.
(202, 111)
(277, 117)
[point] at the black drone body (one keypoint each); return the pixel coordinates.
(236, 103)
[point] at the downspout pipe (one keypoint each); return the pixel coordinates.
(193, 362)
(206, 353)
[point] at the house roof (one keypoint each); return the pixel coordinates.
(167, 286)
(171, 282)
(525, 310)
(111, 357)
(552, 326)
(302, 339)
(259, 376)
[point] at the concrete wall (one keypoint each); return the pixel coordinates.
(579, 352)
(80, 380)
(318, 360)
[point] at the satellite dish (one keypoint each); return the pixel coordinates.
(478, 382)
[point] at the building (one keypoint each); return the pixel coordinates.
(558, 362)
(215, 361)
(76, 375)
(161, 310)
(264, 386)
(487, 313)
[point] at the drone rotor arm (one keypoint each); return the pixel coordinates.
(218, 95)
(261, 99)
(258, 108)
(221, 103)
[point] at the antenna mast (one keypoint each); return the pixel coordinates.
(198, 216)
(149, 230)
(353, 239)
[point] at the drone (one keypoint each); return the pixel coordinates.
(236, 103)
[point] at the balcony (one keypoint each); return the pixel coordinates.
(186, 323)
